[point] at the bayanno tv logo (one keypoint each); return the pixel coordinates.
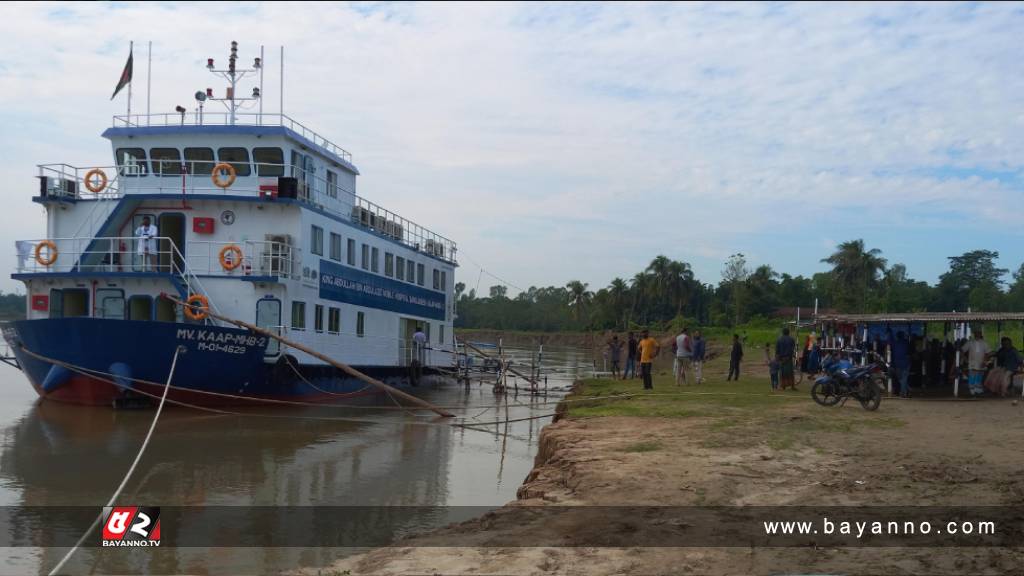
(131, 526)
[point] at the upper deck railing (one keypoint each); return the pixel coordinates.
(224, 119)
(187, 178)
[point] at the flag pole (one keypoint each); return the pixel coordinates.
(149, 74)
(131, 50)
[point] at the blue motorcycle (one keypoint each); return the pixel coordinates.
(843, 381)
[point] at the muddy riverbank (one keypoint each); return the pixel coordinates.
(714, 451)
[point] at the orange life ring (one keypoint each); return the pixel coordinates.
(95, 187)
(227, 262)
(51, 257)
(215, 175)
(196, 307)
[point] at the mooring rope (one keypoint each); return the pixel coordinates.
(131, 470)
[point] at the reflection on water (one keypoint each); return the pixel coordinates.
(59, 455)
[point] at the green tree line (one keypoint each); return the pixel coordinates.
(860, 280)
(12, 306)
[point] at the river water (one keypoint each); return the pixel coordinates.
(55, 455)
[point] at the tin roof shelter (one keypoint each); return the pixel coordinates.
(868, 325)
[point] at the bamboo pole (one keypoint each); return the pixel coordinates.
(343, 367)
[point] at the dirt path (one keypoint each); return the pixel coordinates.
(940, 453)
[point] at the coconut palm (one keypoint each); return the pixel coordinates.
(618, 292)
(855, 272)
(579, 297)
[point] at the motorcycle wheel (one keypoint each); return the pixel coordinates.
(824, 393)
(871, 398)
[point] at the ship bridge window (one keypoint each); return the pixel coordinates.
(166, 161)
(269, 161)
(237, 157)
(131, 161)
(199, 160)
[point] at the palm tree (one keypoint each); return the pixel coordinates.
(579, 297)
(641, 288)
(679, 280)
(618, 291)
(855, 269)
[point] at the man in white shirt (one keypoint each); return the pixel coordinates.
(146, 244)
(977, 351)
(684, 354)
(419, 347)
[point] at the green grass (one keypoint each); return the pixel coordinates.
(728, 413)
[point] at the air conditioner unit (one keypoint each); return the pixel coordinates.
(430, 247)
(399, 231)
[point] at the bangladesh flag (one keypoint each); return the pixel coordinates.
(126, 76)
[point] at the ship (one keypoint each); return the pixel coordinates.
(251, 216)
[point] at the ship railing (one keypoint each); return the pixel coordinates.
(260, 179)
(259, 258)
(118, 254)
(343, 341)
(213, 118)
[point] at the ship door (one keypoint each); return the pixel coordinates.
(171, 225)
(406, 330)
(268, 317)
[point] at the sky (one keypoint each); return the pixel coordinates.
(559, 142)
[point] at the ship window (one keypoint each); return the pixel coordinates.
(269, 161)
(351, 252)
(332, 184)
(166, 161)
(111, 303)
(360, 324)
(75, 302)
(318, 318)
(56, 303)
(237, 157)
(444, 281)
(375, 260)
(131, 161)
(335, 247)
(389, 264)
(317, 241)
(420, 273)
(166, 311)
(140, 308)
(298, 315)
(410, 271)
(400, 268)
(366, 257)
(437, 279)
(333, 320)
(199, 160)
(440, 336)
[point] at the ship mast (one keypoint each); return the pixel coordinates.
(233, 75)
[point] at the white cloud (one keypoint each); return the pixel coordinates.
(555, 141)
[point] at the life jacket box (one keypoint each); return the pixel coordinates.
(268, 188)
(288, 187)
(40, 302)
(202, 225)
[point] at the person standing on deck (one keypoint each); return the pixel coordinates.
(699, 351)
(615, 351)
(146, 244)
(901, 363)
(785, 347)
(735, 356)
(631, 345)
(977, 351)
(684, 354)
(648, 349)
(419, 350)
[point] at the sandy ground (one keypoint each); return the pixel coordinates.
(944, 453)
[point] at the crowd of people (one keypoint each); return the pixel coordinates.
(927, 363)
